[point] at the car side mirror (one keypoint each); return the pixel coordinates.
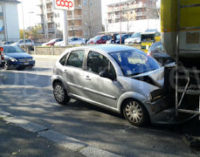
(107, 74)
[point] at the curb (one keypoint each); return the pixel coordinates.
(56, 137)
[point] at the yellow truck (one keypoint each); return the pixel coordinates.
(148, 38)
(180, 27)
(180, 30)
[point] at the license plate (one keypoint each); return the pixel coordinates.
(26, 63)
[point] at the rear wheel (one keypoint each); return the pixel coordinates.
(135, 113)
(60, 94)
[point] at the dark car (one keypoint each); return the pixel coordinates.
(121, 38)
(158, 52)
(100, 39)
(2, 60)
(17, 58)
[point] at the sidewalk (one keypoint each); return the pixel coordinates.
(17, 142)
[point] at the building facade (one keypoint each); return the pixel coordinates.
(84, 21)
(9, 24)
(132, 12)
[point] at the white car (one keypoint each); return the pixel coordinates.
(52, 42)
(26, 42)
(134, 39)
(72, 41)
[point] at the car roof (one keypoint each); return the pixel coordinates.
(108, 48)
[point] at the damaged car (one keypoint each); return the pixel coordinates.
(120, 78)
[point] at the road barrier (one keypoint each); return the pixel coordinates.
(53, 50)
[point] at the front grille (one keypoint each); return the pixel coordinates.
(24, 60)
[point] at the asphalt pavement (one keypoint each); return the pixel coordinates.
(28, 95)
(17, 142)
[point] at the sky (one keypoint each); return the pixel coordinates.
(29, 11)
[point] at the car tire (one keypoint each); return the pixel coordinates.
(135, 113)
(60, 93)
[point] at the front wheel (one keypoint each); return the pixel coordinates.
(135, 113)
(60, 94)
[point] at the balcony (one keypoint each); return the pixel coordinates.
(50, 20)
(75, 17)
(79, 6)
(51, 30)
(75, 27)
(48, 1)
(49, 10)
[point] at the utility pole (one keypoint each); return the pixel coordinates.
(65, 28)
(120, 22)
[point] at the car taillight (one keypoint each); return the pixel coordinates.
(2, 57)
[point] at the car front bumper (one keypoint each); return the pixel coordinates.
(17, 64)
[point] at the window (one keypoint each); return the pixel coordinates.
(63, 60)
(134, 62)
(76, 59)
(97, 63)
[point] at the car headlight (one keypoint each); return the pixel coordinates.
(156, 94)
(12, 59)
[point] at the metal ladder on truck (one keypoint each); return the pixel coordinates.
(186, 88)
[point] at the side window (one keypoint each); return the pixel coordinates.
(104, 37)
(76, 59)
(63, 60)
(97, 63)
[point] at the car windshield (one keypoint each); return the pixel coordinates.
(135, 35)
(13, 49)
(121, 36)
(134, 62)
(96, 38)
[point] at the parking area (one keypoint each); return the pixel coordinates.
(28, 94)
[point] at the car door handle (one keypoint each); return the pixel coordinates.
(87, 78)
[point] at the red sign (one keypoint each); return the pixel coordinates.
(1, 49)
(64, 4)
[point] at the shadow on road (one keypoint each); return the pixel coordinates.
(30, 96)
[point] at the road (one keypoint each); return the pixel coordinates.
(28, 94)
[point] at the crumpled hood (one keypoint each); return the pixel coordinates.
(155, 77)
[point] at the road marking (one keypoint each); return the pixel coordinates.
(60, 139)
(92, 151)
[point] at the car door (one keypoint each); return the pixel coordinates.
(101, 90)
(73, 72)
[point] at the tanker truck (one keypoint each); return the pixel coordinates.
(180, 32)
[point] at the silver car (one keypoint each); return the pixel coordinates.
(119, 78)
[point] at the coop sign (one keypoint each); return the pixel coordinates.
(64, 4)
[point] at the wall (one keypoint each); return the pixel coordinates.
(134, 26)
(11, 22)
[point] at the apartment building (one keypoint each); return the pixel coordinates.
(84, 21)
(131, 12)
(9, 25)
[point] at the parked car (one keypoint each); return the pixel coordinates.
(99, 39)
(25, 43)
(133, 39)
(158, 52)
(17, 58)
(52, 42)
(2, 60)
(120, 38)
(8, 42)
(72, 41)
(116, 77)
